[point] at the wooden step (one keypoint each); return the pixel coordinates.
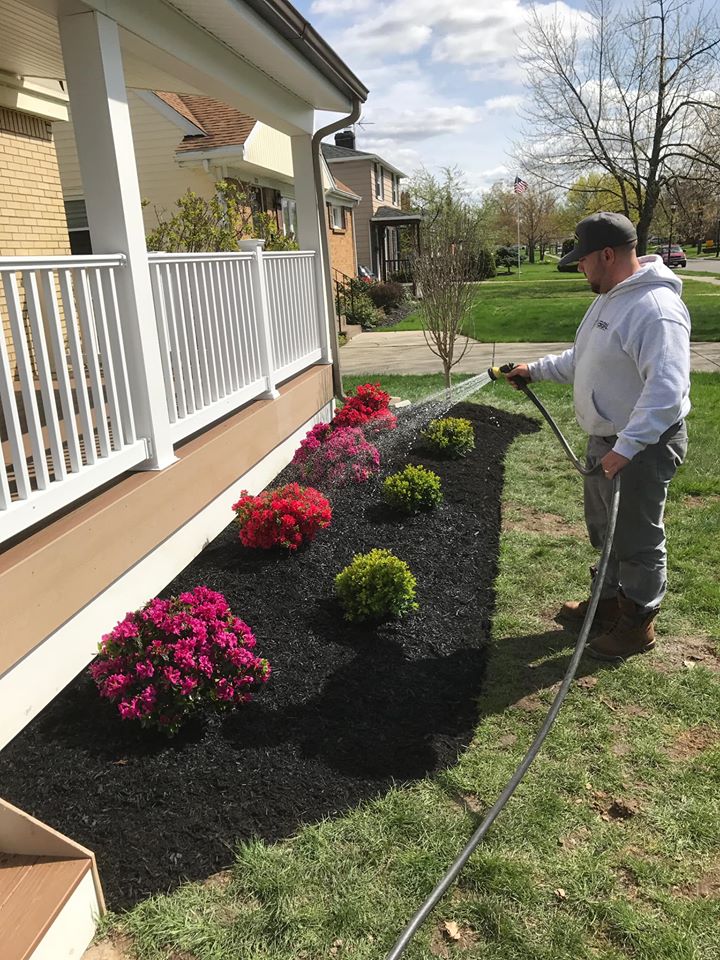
(33, 892)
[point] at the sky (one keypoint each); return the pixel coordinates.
(444, 83)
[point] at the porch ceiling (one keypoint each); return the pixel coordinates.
(220, 48)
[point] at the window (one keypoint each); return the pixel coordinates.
(379, 185)
(289, 216)
(78, 230)
(396, 189)
(337, 218)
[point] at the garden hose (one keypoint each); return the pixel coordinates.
(454, 871)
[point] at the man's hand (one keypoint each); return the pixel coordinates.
(519, 370)
(613, 463)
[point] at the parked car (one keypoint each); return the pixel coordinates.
(677, 255)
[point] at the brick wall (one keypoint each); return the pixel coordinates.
(32, 215)
(342, 244)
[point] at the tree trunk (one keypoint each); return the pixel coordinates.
(646, 216)
(447, 367)
(531, 253)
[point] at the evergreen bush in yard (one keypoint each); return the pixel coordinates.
(450, 437)
(386, 295)
(376, 585)
(412, 489)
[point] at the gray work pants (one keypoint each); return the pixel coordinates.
(638, 562)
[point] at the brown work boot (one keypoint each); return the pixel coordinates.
(606, 613)
(633, 633)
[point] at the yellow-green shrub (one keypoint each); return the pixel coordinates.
(449, 436)
(412, 489)
(376, 585)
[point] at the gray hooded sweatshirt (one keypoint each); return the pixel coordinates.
(630, 363)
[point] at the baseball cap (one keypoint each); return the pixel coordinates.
(598, 231)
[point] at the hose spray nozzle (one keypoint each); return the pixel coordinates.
(497, 373)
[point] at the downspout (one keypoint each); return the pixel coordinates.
(324, 245)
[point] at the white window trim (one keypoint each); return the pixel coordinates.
(336, 213)
(379, 175)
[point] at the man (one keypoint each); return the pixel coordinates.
(630, 370)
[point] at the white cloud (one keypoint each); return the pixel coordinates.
(423, 123)
(505, 102)
(438, 74)
(334, 8)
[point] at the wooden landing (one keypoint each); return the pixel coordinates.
(33, 891)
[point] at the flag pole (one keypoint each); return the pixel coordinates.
(517, 210)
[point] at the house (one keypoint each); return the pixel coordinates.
(139, 392)
(184, 142)
(379, 217)
(187, 142)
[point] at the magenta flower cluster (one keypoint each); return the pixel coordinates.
(337, 456)
(165, 662)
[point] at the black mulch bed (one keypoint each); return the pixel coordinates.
(348, 710)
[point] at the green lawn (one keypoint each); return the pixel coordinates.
(610, 848)
(540, 310)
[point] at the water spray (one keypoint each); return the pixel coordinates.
(497, 373)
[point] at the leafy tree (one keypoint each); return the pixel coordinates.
(200, 225)
(629, 91)
(539, 216)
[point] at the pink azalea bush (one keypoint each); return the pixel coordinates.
(314, 439)
(172, 658)
(286, 517)
(345, 456)
(340, 451)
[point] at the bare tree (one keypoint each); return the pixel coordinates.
(452, 247)
(631, 91)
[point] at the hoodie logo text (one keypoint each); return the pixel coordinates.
(603, 324)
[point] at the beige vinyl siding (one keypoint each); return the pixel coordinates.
(357, 175)
(271, 149)
(162, 180)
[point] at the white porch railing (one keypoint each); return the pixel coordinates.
(230, 328)
(293, 314)
(67, 422)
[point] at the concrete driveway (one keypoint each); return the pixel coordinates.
(407, 352)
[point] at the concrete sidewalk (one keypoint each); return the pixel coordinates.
(407, 352)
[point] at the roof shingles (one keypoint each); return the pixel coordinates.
(222, 125)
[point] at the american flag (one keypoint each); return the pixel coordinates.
(520, 185)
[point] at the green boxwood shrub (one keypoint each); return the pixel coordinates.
(412, 489)
(376, 585)
(449, 437)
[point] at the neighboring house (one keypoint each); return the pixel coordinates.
(378, 216)
(188, 142)
(340, 204)
(139, 393)
(217, 142)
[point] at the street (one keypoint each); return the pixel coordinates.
(709, 265)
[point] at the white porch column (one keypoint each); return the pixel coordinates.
(310, 222)
(99, 107)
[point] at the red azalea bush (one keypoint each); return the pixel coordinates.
(174, 657)
(345, 456)
(367, 402)
(286, 517)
